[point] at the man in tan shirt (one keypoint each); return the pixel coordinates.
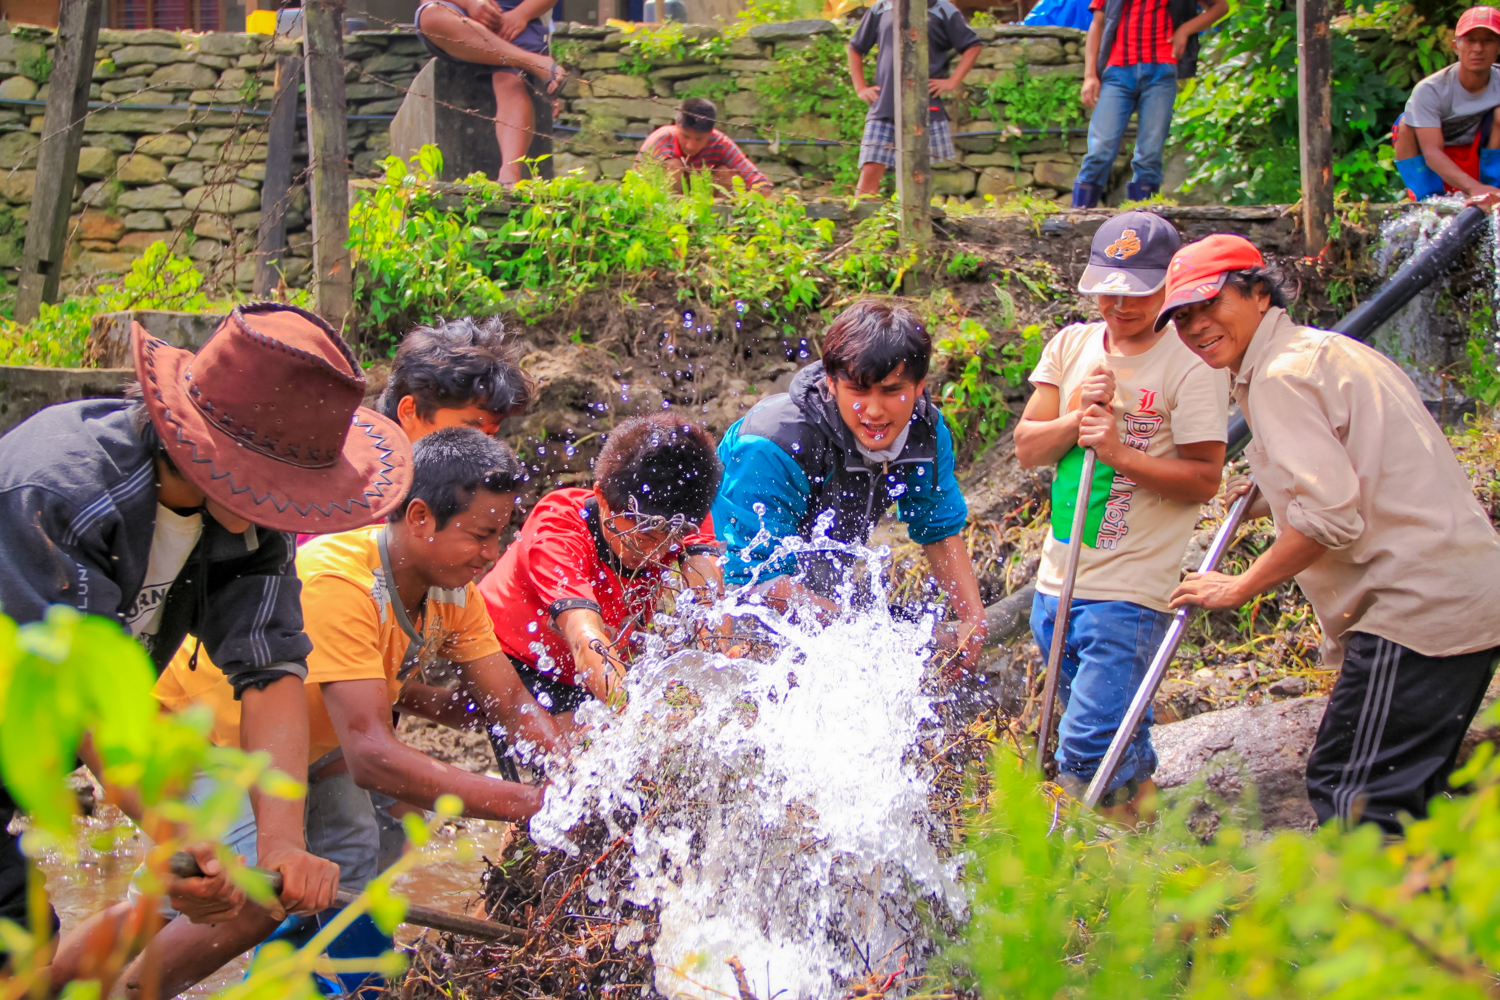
(1375, 520)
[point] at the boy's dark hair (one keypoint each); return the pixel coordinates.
(871, 339)
(457, 363)
(659, 465)
(1268, 279)
(697, 114)
(451, 465)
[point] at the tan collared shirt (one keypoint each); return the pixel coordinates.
(1347, 454)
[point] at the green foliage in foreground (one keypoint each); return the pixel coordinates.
(1085, 913)
(69, 675)
(420, 258)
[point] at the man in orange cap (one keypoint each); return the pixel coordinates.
(1444, 140)
(172, 514)
(1376, 522)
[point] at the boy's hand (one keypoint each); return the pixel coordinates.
(308, 882)
(943, 87)
(1209, 590)
(869, 94)
(486, 13)
(1089, 93)
(210, 898)
(1180, 41)
(1097, 430)
(511, 24)
(1098, 389)
(1237, 486)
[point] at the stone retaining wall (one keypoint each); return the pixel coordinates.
(605, 101)
(178, 154)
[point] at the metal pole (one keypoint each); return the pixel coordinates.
(1164, 654)
(1048, 723)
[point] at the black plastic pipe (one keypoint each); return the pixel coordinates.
(1415, 275)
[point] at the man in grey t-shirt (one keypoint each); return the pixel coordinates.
(947, 32)
(1443, 139)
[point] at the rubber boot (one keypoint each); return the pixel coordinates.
(1086, 195)
(1489, 167)
(1140, 192)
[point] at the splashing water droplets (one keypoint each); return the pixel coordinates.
(773, 806)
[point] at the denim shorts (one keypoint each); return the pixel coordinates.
(1110, 645)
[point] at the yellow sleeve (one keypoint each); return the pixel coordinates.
(473, 632)
(340, 618)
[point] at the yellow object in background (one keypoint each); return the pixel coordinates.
(261, 22)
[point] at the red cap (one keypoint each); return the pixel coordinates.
(1478, 17)
(1198, 270)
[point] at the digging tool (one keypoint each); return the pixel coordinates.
(184, 865)
(1164, 654)
(1048, 723)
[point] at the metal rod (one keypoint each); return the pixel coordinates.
(184, 865)
(1048, 722)
(1163, 659)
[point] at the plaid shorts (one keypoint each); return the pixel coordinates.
(879, 142)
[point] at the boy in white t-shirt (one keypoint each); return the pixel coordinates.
(1156, 417)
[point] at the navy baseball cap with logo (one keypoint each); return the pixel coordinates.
(1130, 255)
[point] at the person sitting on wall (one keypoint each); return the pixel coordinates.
(693, 143)
(589, 564)
(1444, 139)
(508, 41)
(856, 432)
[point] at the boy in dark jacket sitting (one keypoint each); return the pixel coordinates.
(856, 433)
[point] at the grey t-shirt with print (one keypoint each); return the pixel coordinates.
(1441, 101)
(947, 32)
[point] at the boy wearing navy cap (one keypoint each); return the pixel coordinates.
(1156, 417)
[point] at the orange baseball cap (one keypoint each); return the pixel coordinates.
(1198, 270)
(1478, 17)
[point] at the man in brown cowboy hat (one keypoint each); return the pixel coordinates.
(172, 514)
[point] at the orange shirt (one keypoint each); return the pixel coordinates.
(351, 622)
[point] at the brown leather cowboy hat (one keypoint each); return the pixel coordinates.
(265, 419)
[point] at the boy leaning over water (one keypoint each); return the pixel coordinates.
(855, 433)
(1156, 417)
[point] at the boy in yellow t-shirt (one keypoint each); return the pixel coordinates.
(381, 605)
(1156, 417)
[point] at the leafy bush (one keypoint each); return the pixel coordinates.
(158, 279)
(1237, 120)
(420, 258)
(974, 403)
(808, 93)
(1018, 98)
(1064, 907)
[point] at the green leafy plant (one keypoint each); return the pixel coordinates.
(1238, 117)
(158, 279)
(1027, 101)
(1482, 380)
(1064, 907)
(808, 95)
(975, 402)
(964, 265)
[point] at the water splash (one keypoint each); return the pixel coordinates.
(775, 807)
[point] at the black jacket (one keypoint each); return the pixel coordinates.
(77, 515)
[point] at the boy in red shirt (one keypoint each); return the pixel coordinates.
(588, 566)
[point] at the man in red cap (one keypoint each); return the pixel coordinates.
(1376, 522)
(1444, 140)
(172, 513)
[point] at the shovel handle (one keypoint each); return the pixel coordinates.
(184, 865)
(1047, 725)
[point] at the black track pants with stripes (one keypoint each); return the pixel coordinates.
(1392, 731)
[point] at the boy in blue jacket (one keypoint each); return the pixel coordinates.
(856, 432)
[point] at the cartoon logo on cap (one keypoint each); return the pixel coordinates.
(1128, 245)
(1115, 281)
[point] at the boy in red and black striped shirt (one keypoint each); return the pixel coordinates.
(694, 144)
(1144, 46)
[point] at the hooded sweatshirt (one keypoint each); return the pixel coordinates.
(793, 454)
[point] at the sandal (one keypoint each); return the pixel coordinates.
(558, 78)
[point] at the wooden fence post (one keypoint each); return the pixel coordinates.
(282, 139)
(328, 156)
(1315, 95)
(913, 162)
(57, 157)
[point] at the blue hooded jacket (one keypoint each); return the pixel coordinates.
(793, 454)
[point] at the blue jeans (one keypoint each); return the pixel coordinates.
(1146, 89)
(1109, 646)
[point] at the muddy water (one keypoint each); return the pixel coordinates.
(446, 877)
